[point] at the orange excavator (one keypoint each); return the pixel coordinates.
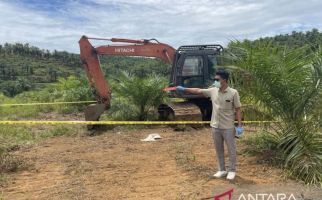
(192, 66)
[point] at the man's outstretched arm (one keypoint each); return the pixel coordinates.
(190, 90)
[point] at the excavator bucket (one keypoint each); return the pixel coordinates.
(93, 113)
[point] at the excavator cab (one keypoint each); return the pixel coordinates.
(194, 67)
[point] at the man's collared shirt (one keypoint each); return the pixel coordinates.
(223, 106)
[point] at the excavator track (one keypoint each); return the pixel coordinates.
(179, 111)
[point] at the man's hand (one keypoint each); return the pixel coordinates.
(239, 131)
(180, 89)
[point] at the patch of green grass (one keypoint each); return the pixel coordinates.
(1, 196)
(21, 112)
(57, 131)
(187, 160)
(2, 181)
(14, 137)
(264, 145)
(259, 141)
(268, 148)
(11, 163)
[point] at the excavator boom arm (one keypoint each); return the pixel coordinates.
(125, 47)
(161, 51)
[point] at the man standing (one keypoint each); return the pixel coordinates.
(225, 107)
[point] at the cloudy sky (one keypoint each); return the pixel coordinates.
(58, 24)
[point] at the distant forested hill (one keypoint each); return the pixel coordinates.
(292, 40)
(24, 67)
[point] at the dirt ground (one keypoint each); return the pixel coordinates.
(118, 165)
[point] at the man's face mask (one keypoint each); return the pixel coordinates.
(217, 83)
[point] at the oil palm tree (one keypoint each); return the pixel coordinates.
(286, 83)
(135, 97)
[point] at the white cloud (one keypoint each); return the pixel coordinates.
(173, 22)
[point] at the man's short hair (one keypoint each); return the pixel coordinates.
(223, 74)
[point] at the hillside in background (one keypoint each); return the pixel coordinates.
(24, 67)
(292, 40)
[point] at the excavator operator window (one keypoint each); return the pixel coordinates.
(192, 71)
(212, 65)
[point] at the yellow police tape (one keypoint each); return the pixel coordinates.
(33, 122)
(45, 103)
